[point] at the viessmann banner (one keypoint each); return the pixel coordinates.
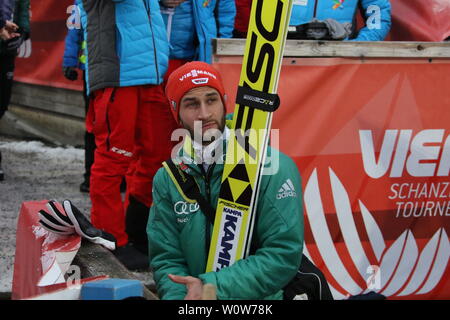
(372, 142)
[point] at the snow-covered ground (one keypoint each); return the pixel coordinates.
(34, 171)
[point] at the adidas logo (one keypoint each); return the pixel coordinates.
(286, 190)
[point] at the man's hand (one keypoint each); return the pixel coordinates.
(194, 286)
(11, 26)
(172, 3)
(8, 31)
(14, 44)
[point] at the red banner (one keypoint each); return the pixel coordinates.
(372, 143)
(40, 61)
(418, 20)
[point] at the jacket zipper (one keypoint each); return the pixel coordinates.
(196, 18)
(207, 177)
(153, 40)
(315, 8)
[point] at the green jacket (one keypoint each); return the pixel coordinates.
(21, 18)
(22, 15)
(176, 233)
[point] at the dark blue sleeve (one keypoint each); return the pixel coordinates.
(6, 7)
(72, 47)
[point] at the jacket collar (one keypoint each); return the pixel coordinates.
(191, 154)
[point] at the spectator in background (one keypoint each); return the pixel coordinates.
(190, 27)
(192, 24)
(74, 59)
(17, 32)
(336, 19)
(129, 114)
(328, 19)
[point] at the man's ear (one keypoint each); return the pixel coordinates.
(224, 100)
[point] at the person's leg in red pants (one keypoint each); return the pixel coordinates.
(115, 114)
(155, 125)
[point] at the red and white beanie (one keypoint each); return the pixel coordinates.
(189, 76)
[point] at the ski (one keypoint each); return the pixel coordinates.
(256, 100)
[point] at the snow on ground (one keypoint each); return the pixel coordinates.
(34, 171)
(42, 151)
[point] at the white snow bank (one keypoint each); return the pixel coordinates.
(43, 151)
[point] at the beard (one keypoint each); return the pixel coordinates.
(209, 135)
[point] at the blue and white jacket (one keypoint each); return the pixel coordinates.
(192, 25)
(126, 43)
(377, 14)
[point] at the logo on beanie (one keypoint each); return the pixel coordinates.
(174, 105)
(200, 81)
(195, 73)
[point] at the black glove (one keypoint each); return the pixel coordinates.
(71, 221)
(70, 73)
(12, 45)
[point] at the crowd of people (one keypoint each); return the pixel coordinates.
(136, 60)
